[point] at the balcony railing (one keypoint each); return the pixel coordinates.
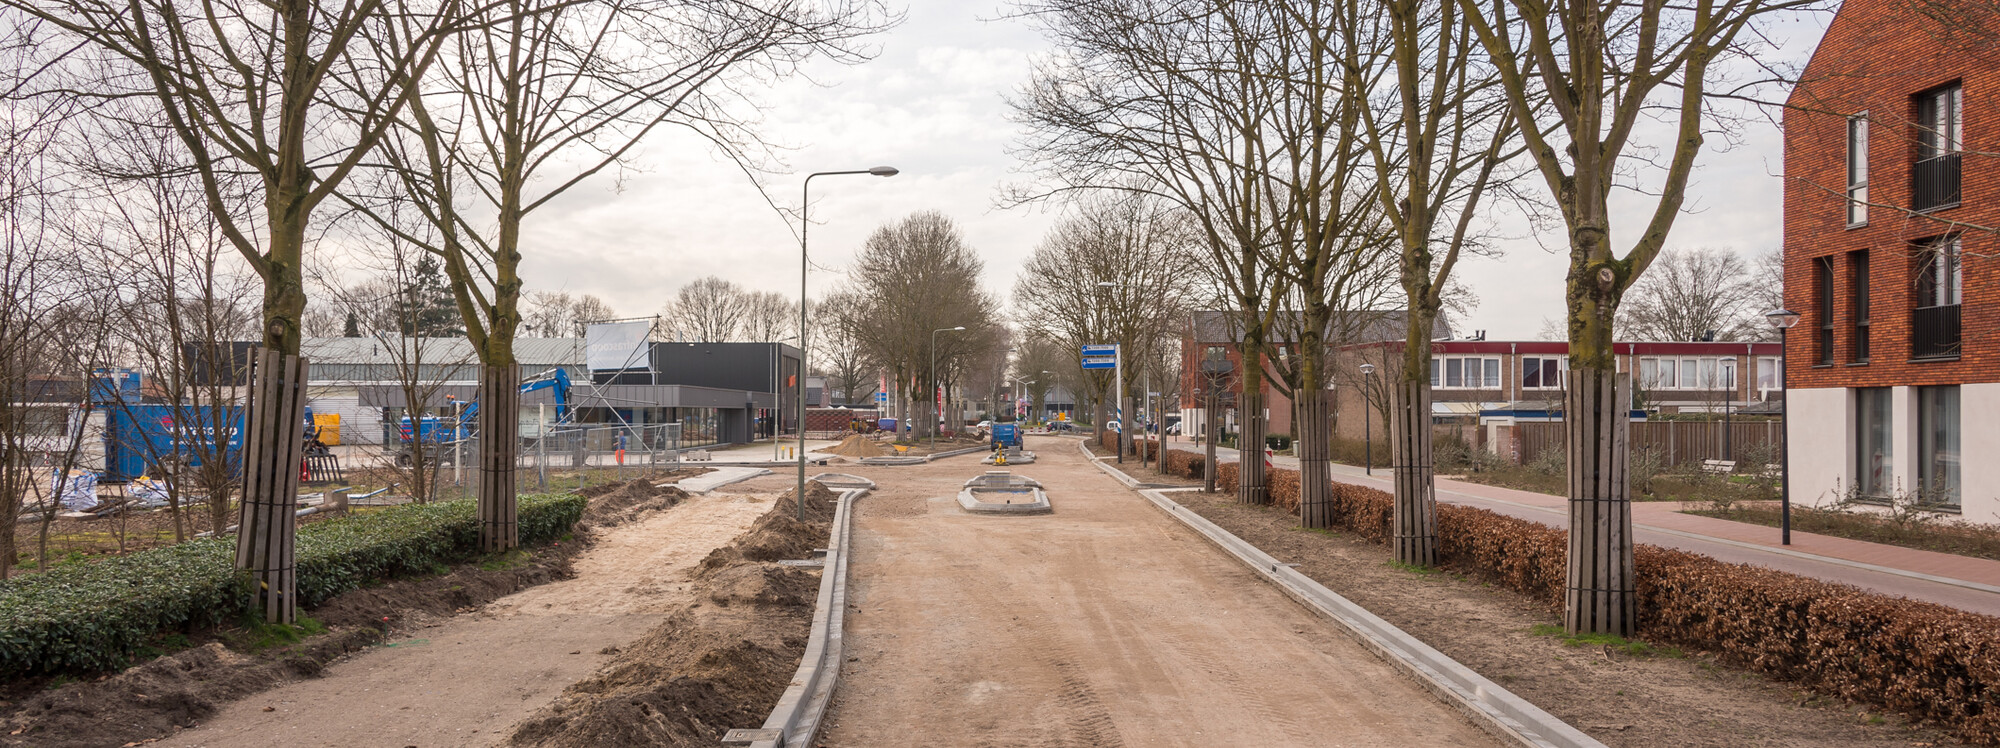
(1934, 332)
(1934, 182)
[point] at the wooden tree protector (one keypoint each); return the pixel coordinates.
(266, 541)
(499, 434)
(1601, 595)
(1413, 515)
(1250, 485)
(1315, 454)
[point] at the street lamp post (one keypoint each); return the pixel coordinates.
(1784, 319)
(936, 391)
(805, 222)
(1367, 435)
(1118, 380)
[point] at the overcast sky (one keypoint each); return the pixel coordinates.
(933, 104)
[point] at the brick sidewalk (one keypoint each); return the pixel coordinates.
(1959, 581)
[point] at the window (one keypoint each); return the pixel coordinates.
(1937, 444)
(1823, 284)
(1940, 281)
(1691, 373)
(1940, 137)
(1770, 372)
(1857, 169)
(1934, 323)
(1858, 270)
(1543, 372)
(1465, 372)
(1873, 452)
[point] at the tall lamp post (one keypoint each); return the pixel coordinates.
(1367, 435)
(799, 393)
(1784, 319)
(937, 391)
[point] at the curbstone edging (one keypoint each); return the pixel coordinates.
(795, 721)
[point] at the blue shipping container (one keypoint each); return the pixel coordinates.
(138, 436)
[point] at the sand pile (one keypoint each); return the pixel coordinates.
(857, 446)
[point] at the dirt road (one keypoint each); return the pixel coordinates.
(1104, 624)
(464, 680)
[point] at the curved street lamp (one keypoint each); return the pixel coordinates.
(799, 392)
(1783, 320)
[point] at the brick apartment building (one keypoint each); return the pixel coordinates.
(1891, 195)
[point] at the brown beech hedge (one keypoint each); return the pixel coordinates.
(1927, 661)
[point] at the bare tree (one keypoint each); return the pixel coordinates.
(1036, 367)
(556, 314)
(1117, 270)
(917, 280)
(1194, 103)
(769, 317)
(1695, 294)
(1437, 128)
(838, 348)
(707, 310)
(1601, 68)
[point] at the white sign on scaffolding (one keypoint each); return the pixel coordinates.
(617, 346)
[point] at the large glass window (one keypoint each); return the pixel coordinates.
(1770, 372)
(1941, 282)
(1873, 451)
(1937, 444)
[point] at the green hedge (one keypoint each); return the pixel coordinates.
(93, 616)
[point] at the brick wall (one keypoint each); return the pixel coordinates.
(1875, 58)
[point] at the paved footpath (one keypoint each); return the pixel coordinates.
(1959, 581)
(1106, 623)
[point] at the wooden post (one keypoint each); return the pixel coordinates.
(272, 450)
(1311, 439)
(499, 432)
(1601, 592)
(1413, 515)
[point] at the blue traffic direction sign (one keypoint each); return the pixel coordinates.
(1100, 350)
(1100, 362)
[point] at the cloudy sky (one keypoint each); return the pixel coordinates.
(933, 104)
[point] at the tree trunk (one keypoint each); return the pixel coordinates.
(1414, 516)
(1315, 428)
(1602, 595)
(1250, 480)
(499, 438)
(272, 451)
(1211, 426)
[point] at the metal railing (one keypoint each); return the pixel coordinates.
(1934, 182)
(1934, 332)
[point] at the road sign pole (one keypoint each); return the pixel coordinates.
(1118, 411)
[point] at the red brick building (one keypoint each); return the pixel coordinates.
(1892, 195)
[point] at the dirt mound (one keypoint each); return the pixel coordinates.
(614, 504)
(719, 663)
(856, 446)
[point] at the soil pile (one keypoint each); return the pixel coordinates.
(614, 504)
(719, 663)
(856, 446)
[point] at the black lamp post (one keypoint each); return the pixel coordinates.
(1784, 319)
(1367, 435)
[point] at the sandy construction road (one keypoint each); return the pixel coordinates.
(465, 680)
(1104, 624)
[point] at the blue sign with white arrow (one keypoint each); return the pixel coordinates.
(1100, 357)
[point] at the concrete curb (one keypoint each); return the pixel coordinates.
(795, 721)
(969, 501)
(1492, 707)
(1129, 481)
(723, 476)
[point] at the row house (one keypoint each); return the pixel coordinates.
(1892, 201)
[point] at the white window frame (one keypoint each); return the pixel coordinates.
(1857, 170)
(1688, 373)
(1562, 371)
(1441, 372)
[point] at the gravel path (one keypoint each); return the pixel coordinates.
(1104, 624)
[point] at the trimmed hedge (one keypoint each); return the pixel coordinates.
(1928, 661)
(93, 616)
